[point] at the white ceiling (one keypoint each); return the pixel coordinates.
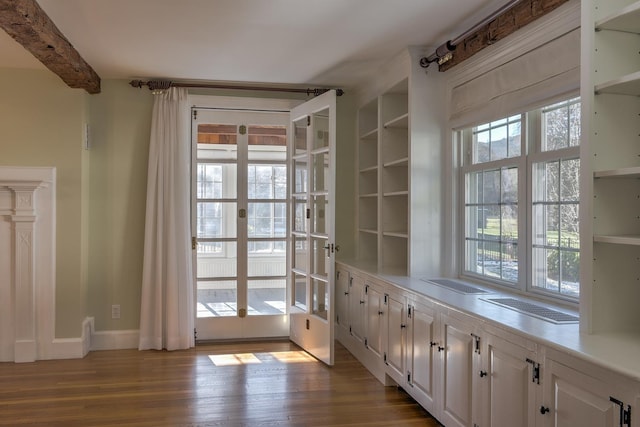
(320, 42)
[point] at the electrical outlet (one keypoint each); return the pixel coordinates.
(115, 311)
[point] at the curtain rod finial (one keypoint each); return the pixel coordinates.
(137, 83)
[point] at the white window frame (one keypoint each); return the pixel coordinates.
(531, 154)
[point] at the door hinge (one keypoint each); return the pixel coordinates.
(366, 290)
(350, 331)
(409, 377)
(384, 358)
(195, 334)
(535, 373)
(409, 312)
(308, 120)
(366, 343)
(308, 213)
(350, 281)
(625, 414)
(194, 243)
(476, 338)
(386, 299)
(338, 319)
(338, 275)
(195, 114)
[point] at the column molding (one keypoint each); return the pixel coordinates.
(27, 200)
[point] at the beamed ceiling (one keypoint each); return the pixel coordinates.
(297, 42)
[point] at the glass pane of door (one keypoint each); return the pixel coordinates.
(312, 235)
(216, 226)
(266, 220)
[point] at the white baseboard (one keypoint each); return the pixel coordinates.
(113, 340)
(72, 348)
(91, 340)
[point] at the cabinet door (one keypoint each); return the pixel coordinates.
(573, 398)
(421, 329)
(510, 382)
(342, 299)
(395, 329)
(374, 307)
(356, 307)
(459, 364)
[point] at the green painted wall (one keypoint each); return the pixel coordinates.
(41, 124)
(120, 129)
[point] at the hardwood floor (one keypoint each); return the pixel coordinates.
(248, 384)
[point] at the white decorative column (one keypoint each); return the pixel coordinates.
(25, 348)
(27, 256)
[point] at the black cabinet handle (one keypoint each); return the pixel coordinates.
(544, 410)
(483, 374)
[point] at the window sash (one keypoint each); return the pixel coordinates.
(525, 246)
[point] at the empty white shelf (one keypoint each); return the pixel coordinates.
(398, 122)
(626, 19)
(633, 172)
(623, 239)
(625, 85)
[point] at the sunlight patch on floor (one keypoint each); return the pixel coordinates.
(236, 359)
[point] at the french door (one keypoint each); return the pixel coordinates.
(239, 206)
(312, 240)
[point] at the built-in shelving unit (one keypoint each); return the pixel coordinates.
(611, 156)
(399, 169)
(394, 152)
(368, 177)
(383, 185)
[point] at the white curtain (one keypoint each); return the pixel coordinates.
(167, 306)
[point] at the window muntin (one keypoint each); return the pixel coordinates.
(494, 200)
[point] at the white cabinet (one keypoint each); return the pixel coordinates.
(342, 300)
(574, 398)
(356, 307)
(421, 348)
(395, 336)
(374, 312)
(510, 382)
(459, 403)
(469, 372)
(610, 165)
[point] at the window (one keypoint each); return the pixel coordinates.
(555, 202)
(522, 173)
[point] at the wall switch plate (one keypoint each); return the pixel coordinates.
(115, 311)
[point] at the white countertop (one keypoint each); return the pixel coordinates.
(618, 352)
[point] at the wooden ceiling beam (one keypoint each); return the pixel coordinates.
(29, 25)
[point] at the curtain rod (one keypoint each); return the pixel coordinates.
(166, 84)
(443, 53)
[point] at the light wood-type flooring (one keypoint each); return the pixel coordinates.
(224, 384)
